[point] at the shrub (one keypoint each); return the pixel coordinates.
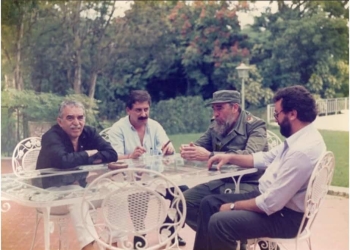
(182, 115)
(20, 107)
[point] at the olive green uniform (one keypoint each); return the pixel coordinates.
(247, 136)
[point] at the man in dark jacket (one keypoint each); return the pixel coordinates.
(67, 145)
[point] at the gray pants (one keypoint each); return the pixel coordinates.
(220, 230)
(195, 195)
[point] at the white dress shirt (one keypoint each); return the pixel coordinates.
(288, 169)
(124, 137)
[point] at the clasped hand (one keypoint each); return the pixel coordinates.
(193, 152)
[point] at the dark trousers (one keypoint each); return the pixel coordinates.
(136, 215)
(220, 230)
(194, 196)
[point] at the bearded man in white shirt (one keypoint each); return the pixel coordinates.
(275, 208)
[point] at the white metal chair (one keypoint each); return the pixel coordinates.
(133, 206)
(104, 133)
(272, 139)
(317, 189)
(24, 159)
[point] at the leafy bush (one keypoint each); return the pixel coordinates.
(20, 107)
(182, 115)
(44, 106)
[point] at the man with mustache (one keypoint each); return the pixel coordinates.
(69, 144)
(275, 207)
(233, 131)
(136, 134)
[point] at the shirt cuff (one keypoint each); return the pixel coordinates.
(258, 159)
(259, 200)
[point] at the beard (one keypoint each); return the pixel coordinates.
(223, 127)
(285, 128)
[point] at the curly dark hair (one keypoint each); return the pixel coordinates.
(138, 96)
(297, 98)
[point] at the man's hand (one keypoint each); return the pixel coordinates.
(91, 152)
(192, 152)
(225, 207)
(168, 149)
(221, 159)
(138, 151)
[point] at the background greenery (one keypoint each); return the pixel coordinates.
(337, 142)
(180, 52)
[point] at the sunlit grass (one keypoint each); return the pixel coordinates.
(336, 141)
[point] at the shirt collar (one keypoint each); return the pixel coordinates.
(294, 138)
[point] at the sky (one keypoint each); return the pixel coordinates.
(244, 18)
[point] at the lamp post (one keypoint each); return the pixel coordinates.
(243, 71)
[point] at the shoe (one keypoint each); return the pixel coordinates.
(139, 242)
(181, 241)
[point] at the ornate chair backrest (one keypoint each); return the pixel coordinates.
(25, 155)
(272, 139)
(133, 204)
(317, 189)
(104, 133)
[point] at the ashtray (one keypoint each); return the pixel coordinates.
(117, 165)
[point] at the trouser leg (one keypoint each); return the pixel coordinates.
(225, 228)
(86, 233)
(169, 196)
(209, 206)
(193, 198)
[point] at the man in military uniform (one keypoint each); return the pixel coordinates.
(232, 130)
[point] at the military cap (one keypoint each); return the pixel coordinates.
(223, 96)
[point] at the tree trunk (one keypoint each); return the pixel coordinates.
(77, 49)
(77, 73)
(18, 75)
(92, 84)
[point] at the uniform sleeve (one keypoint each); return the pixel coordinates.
(257, 140)
(205, 140)
(116, 138)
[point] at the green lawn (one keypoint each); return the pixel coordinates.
(336, 141)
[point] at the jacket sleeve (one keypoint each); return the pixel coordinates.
(62, 158)
(105, 150)
(257, 140)
(55, 149)
(205, 140)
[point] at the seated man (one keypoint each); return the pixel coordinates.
(69, 144)
(232, 131)
(275, 207)
(136, 134)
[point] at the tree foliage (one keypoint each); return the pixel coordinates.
(172, 49)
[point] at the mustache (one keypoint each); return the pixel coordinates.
(143, 118)
(74, 127)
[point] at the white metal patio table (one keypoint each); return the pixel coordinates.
(31, 191)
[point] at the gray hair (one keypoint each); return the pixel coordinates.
(70, 103)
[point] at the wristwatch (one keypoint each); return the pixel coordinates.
(232, 206)
(211, 155)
